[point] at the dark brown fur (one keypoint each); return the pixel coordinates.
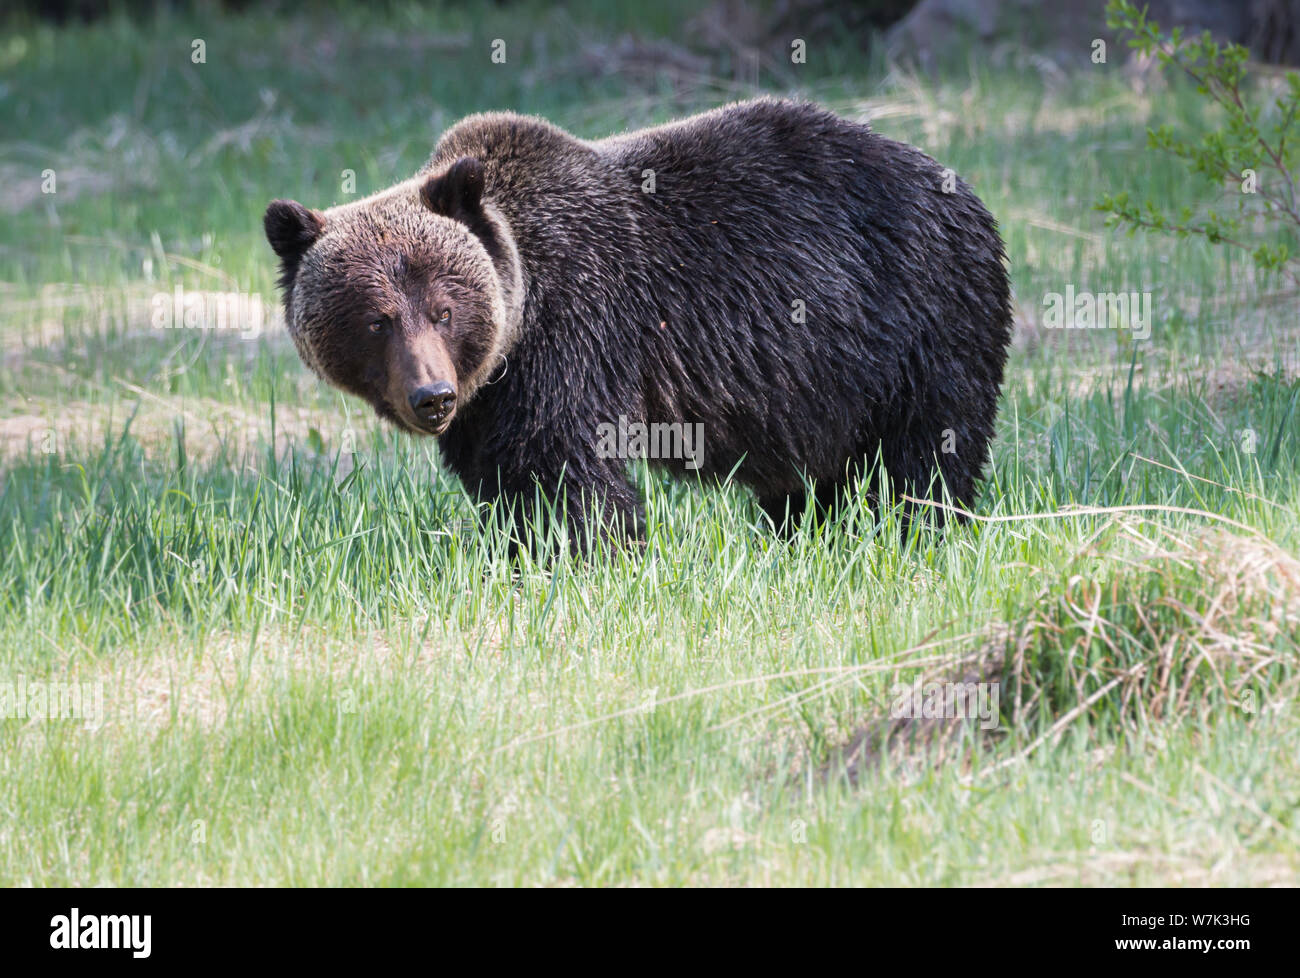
(574, 298)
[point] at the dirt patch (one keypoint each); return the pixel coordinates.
(211, 430)
(152, 692)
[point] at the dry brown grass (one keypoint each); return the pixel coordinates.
(1147, 626)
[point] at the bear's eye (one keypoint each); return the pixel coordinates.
(378, 326)
(444, 316)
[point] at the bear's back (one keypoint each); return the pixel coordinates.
(809, 260)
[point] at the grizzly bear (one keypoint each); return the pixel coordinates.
(812, 298)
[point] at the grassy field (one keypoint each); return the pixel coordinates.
(313, 672)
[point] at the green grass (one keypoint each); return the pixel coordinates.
(314, 673)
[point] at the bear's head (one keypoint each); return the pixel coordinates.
(409, 299)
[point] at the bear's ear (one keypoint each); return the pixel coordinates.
(457, 193)
(291, 229)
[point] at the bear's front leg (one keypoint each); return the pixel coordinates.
(530, 443)
(532, 491)
(589, 502)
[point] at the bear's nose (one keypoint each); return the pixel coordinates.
(432, 402)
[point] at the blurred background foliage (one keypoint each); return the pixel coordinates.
(1270, 28)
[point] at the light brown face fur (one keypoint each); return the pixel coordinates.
(394, 302)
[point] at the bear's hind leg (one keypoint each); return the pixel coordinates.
(789, 512)
(785, 511)
(933, 462)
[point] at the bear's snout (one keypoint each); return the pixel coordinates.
(433, 404)
(422, 389)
